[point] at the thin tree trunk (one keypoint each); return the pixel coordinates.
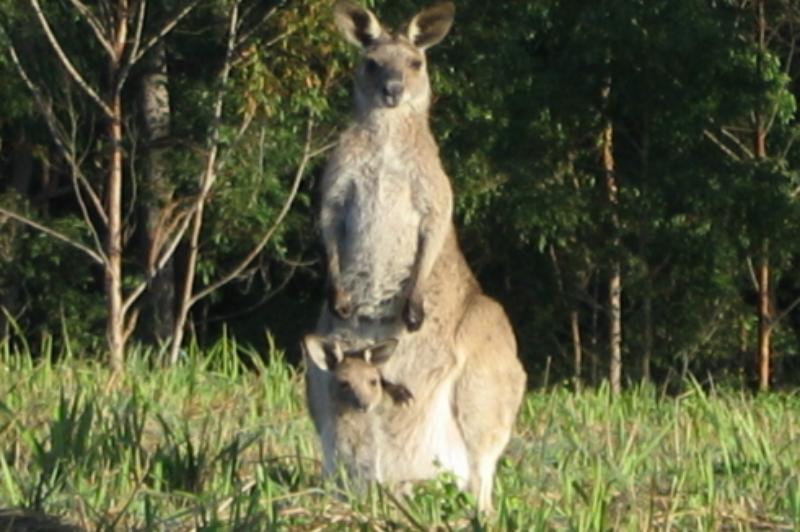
(577, 348)
(763, 269)
(574, 322)
(113, 275)
(615, 327)
(744, 348)
(764, 320)
(647, 350)
(615, 270)
(116, 332)
(207, 180)
(159, 317)
(593, 340)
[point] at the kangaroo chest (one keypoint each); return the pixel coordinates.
(380, 233)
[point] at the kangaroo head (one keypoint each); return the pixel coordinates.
(393, 71)
(358, 383)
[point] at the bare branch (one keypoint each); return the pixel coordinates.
(132, 49)
(65, 62)
(168, 27)
(790, 143)
(738, 142)
(60, 137)
(53, 233)
(133, 318)
(709, 135)
(177, 236)
(131, 298)
(95, 24)
(785, 312)
(80, 182)
(307, 155)
(245, 35)
(207, 180)
(752, 271)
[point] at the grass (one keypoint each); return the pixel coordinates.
(212, 445)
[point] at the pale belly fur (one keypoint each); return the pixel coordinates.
(380, 244)
(435, 446)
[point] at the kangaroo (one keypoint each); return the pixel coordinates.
(461, 362)
(356, 389)
(386, 200)
(358, 383)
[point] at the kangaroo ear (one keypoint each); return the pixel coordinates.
(431, 25)
(381, 352)
(357, 23)
(325, 354)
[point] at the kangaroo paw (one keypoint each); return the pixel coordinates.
(414, 313)
(341, 304)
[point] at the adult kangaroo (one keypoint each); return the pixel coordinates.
(386, 201)
(396, 272)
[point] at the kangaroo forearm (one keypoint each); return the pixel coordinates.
(329, 222)
(334, 268)
(428, 249)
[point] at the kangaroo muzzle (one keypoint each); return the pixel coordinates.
(393, 92)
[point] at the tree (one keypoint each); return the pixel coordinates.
(102, 206)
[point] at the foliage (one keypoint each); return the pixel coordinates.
(518, 113)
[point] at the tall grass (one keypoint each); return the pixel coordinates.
(216, 444)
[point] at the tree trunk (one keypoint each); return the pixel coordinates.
(647, 350)
(763, 269)
(764, 321)
(115, 327)
(186, 299)
(615, 270)
(615, 328)
(159, 316)
(577, 348)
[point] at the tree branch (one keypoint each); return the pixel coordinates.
(168, 27)
(739, 143)
(752, 271)
(307, 155)
(66, 63)
(60, 137)
(709, 135)
(785, 312)
(53, 233)
(206, 182)
(130, 60)
(95, 24)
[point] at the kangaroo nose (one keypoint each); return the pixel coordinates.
(392, 92)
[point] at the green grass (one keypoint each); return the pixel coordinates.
(211, 445)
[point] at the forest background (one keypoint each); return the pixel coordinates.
(626, 176)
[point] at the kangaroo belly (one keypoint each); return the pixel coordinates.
(380, 243)
(433, 445)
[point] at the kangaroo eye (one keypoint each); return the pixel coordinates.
(373, 382)
(415, 64)
(372, 66)
(344, 386)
